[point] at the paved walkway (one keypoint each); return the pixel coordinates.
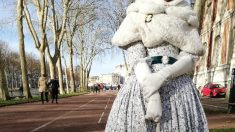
(77, 114)
(74, 114)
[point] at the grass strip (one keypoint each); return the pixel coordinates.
(223, 130)
(34, 99)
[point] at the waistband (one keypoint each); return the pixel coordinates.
(162, 60)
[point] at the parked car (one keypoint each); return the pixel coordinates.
(107, 86)
(110, 87)
(213, 90)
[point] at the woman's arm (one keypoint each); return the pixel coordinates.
(135, 52)
(142, 70)
(154, 81)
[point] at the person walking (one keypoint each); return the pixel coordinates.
(43, 88)
(118, 87)
(96, 88)
(54, 86)
(93, 88)
(99, 87)
(21, 90)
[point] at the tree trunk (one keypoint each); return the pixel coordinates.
(81, 79)
(71, 72)
(81, 69)
(66, 73)
(24, 76)
(52, 66)
(4, 94)
(66, 80)
(60, 74)
(13, 77)
(86, 79)
(42, 63)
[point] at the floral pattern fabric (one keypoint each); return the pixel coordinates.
(182, 110)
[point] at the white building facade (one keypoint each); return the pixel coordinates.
(112, 79)
(122, 71)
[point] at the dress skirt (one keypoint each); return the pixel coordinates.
(181, 108)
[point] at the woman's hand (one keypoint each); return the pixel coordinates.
(152, 83)
(154, 108)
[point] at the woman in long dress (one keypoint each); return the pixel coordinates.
(163, 33)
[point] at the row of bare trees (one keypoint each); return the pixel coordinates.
(11, 70)
(64, 31)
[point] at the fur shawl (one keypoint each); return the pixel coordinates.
(175, 23)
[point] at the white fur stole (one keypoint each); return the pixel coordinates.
(175, 23)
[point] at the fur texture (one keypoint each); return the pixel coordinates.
(177, 26)
(142, 70)
(154, 108)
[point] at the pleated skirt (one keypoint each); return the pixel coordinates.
(182, 109)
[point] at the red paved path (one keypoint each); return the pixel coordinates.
(75, 114)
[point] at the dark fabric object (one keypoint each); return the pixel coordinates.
(54, 89)
(54, 96)
(158, 59)
(54, 86)
(46, 97)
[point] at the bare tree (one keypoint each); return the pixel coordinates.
(58, 29)
(24, 72)
(115, 17)
(33, 69)
(13, 69)
(58, 26)
(40, 39)
(4, 94)
(92, 43)
(74, 22)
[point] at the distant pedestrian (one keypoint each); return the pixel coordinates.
(43, 88)
(54, 86)
(102, 87)
(93, 88)
(99, 87)
(118, 87)
(96, 88)
(21, 90)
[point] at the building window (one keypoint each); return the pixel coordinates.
(216, 52)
